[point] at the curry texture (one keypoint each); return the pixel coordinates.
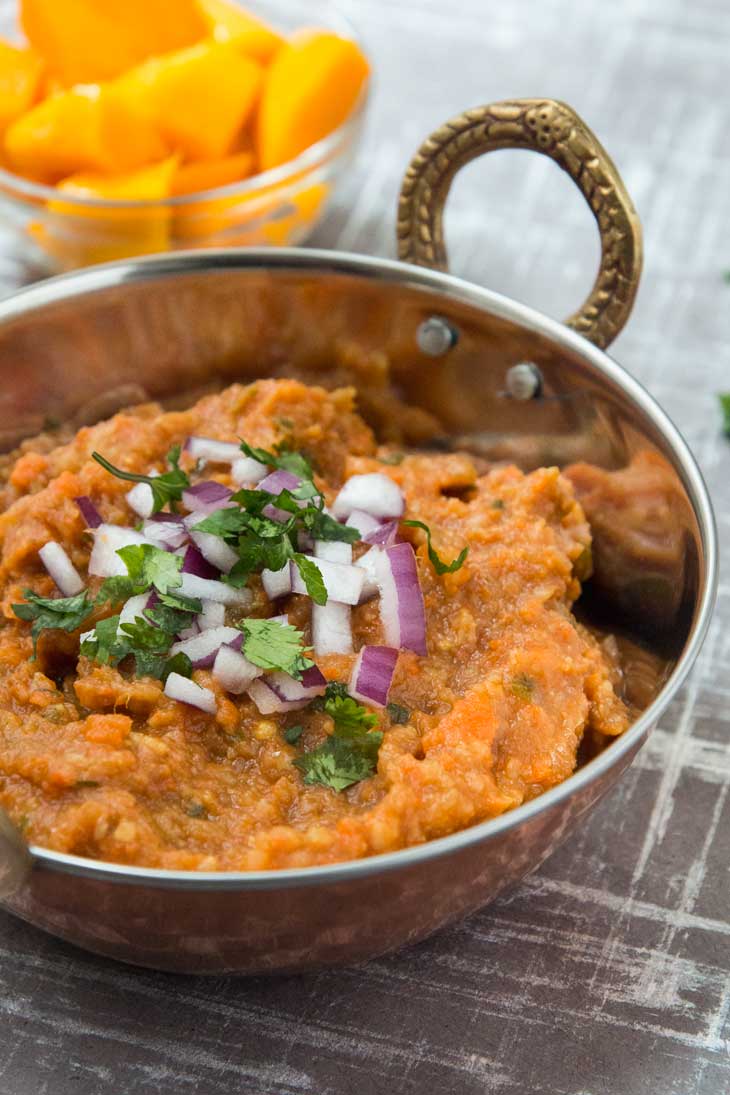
(100, 764)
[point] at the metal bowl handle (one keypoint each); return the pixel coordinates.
(550, 127)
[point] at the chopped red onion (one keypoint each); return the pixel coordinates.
(166, 529)
(372, 674)
(276, 583)
(189, 632)
(58, 564)
(365, 523)
(275, 483)
(215, 550)
(313, 683)
(141, 499)
(104, 561)
(203, 648)
(279, 480)
(196, 564)
(269, 703)
(334, 551)
(375, 493)
(247, 470)
(385, 535)
(89, 512)
(187, 691)
(343, 583)
(331, 629)
(213, 615)
(208, 589)
(234, 671)
(217, 452)
(207, 495)
(401, 601)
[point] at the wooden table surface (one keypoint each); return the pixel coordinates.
(606, 972)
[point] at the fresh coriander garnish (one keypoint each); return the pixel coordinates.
(392, 458)
(270, 644)
(350, 753)
(196, 809)
(282, 457)
(312, 578)
(53, 614)
(436, 562)
(166, 488)
(724, 399)
(498, 503)
(398, 714)
(146, 566)
(293, 733)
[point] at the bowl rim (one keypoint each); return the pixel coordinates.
(113, 275)
(18, 188)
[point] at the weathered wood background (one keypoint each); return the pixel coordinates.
(606, 973)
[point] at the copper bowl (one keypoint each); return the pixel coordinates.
(479, 372)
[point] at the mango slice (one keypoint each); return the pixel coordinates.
(310, 89)
(76, 236)
(199, 98)
(192, 178)
(21, 81)
(85, 41)
(91, 128)
(226, 20)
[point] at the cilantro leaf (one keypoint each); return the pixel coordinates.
(350, 753)
(166, 488)
(152, 566)
(349, 716)
(282, 458)
(105, 645)
(337, 764)
(292, 734)
(398, 714)
(436, 562)
(324, 527)
(53, 614)
(724, 399)
(273, 645)
(312, 578)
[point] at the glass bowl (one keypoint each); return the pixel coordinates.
(280, 207)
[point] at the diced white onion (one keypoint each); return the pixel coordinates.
(276, 583)
(213, 615)
(331, 629)
(202, 648)
(234, 671)
(141, 500)
(343, 583)
(247, 470)
(215, 550)
(268, 702)
(313, 683)
(363, 522)
(208, 589)
(370, 586)
(104, 561)
(133, 608)
(375, 493)
(180, 688)
(217, 452)
(334, 551)
(58, 564)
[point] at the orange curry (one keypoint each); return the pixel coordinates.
(99, 762)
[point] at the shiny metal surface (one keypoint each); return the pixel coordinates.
(79, 346)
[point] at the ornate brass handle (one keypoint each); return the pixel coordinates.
(552, 128)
